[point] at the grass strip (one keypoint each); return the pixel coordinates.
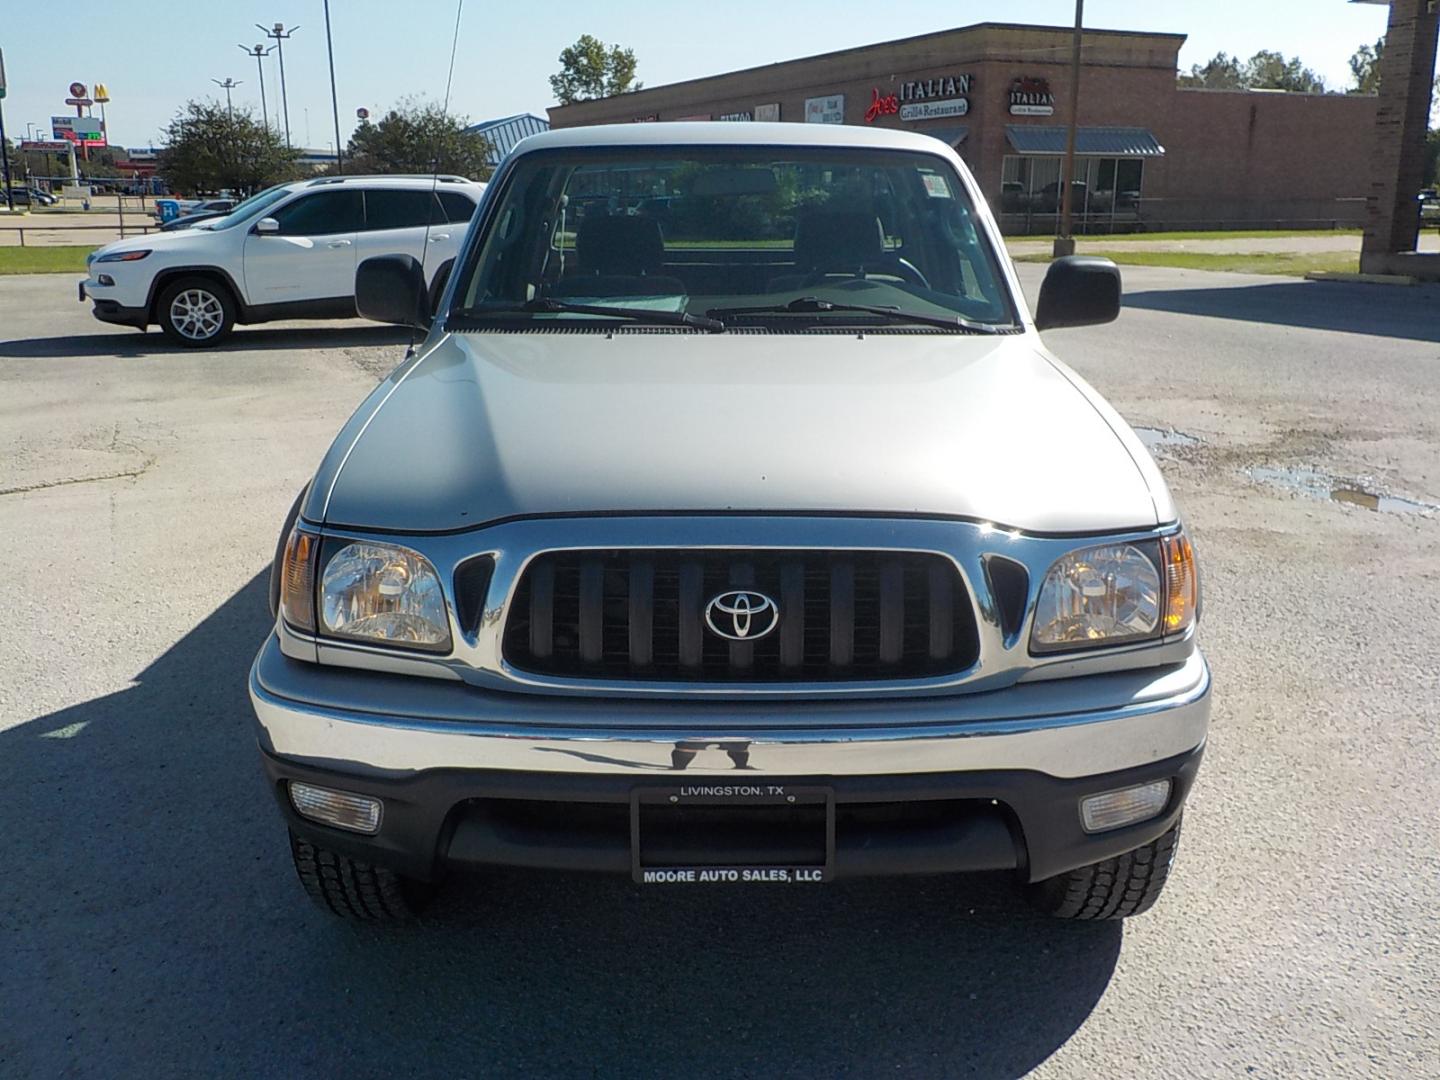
(56, 259)
(1292, 264)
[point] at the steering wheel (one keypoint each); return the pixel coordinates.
(901, 268)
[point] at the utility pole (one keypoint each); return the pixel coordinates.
(5, 143)
(280, 34)
(259, 53)
(228, 85)
(334, 100)
(1065, 242)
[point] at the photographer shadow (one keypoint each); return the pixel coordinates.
(152, 926)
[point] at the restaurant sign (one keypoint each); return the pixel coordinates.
(1031, 97)
(825, 110)
(932, 99)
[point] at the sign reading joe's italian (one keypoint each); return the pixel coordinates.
(1031, 97)
(932, 99)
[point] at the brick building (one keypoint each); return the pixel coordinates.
(1151, 153)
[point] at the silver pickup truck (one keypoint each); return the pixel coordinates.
(733, 524)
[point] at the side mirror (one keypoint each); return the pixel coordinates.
(1079, 290)
(267, 225)
(391, 289)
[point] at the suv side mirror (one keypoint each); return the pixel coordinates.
(391, 289)
(267, 225)
(1079, 290)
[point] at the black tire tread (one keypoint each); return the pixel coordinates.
(1129, 884)
(349, 888)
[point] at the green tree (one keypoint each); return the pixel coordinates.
(1222, 72)
(210, 149)
(1365, 66)
(1266, 70)
(418, 137)
(591, 69)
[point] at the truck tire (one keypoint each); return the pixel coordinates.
(356, 890)
(1114, 888)
(195, 311)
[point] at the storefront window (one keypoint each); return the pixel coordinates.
(1106, 194)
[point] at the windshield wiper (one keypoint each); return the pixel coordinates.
(548, 304)
(807, 304)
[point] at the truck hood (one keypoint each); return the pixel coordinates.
(485, 426)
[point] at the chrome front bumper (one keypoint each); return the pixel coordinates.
(373, 724)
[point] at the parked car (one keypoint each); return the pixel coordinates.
(778, 549)
(1429, 206)
(29, 196)
(189, 221)
(287, 253)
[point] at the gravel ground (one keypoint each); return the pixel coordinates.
(150, 926)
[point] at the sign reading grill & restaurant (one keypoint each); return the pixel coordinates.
(1031, 97)
(932, 99)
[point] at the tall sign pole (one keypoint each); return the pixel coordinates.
(280, 34)
(4, 142)
(1065, 242)
(334, 101)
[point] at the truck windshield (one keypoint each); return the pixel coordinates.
(738, 233)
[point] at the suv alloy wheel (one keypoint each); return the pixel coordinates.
(195, 312)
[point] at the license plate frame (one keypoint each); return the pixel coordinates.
(728, 793)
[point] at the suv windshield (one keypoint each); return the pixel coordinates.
(727, 231)
(245, 210)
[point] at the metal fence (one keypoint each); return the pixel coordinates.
(1168, 215)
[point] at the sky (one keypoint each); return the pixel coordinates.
(153, 56)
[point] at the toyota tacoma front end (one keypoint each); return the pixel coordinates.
(732, 524)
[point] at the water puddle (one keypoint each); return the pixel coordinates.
(1319, 485)
(1164, 438)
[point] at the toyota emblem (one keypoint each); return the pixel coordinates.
(742, 615)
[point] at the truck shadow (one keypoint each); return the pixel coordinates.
(151, 926)
(1399, 312)
(131, 344)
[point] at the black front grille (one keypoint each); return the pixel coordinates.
(843, 615)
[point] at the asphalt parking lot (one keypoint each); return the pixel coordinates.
(149, 920)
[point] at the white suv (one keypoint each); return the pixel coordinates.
(289, 252)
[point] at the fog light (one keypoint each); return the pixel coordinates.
(104, 279)
(1124, 807)
(343, 809)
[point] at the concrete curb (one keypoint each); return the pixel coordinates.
(1361, 279)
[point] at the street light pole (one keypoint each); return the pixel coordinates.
(334, 99)
(1065, 242)
(280, 34)
(259, 53)
(228, 85)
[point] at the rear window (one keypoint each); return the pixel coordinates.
(457, 206)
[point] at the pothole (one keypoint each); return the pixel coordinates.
(1319, 485)
(1164, 438)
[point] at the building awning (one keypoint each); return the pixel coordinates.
(1045, 139)
(950, 136)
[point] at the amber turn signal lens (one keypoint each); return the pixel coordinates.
(1182, 584)
(297, 580)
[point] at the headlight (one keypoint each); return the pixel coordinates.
(123, 256)
(1116, 594)
(384, 593)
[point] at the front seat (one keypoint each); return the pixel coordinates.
(841, 243)
(619, 255)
